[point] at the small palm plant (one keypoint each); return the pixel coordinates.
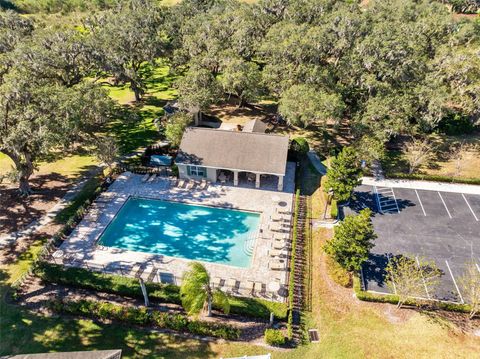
(197, 294)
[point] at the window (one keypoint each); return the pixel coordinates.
(197, 171)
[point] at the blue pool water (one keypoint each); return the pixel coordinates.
(181, 230)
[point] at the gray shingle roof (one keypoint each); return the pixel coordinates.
(243, 151)
(255, 126)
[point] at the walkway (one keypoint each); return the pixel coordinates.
(316, 162)
(425, 185)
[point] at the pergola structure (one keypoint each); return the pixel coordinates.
(210, 154)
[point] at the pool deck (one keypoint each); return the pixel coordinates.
(81, 244)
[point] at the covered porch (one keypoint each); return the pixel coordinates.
(250, 179)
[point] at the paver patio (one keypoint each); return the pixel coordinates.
(81, 244)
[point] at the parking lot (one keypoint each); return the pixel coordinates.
(438, 225)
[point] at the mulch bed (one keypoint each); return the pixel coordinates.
(17, 212)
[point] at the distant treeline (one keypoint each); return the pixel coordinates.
(464, 6)
(55, 6)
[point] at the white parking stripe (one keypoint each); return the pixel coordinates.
(421, 204)
(468, 204)
(455, 282)
(477, 267)
(445, 205)
(423, 279)
(396, 203)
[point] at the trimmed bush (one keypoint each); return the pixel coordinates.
(300, 145)
(393, 299)
(298, 148)
(334, 209)
(274, 337)
(129, 287)
(167, 293)
(143, 317)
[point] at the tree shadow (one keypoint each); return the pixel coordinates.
(8, 5)
(374, 270)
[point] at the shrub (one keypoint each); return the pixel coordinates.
(82, 278)
(334, 209)
(130, 287)
(274, 337)
(300, 145)
(142, 316)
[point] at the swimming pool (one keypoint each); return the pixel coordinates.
(187, 231)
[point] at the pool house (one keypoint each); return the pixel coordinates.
(236, 157)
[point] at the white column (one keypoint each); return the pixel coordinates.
(235, 178)
(280, 183)
(257, 180)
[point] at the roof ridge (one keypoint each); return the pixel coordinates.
(230, 131)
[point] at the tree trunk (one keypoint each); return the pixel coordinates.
(25, 169)
(136, 90)
(209, 306)
(242, 103)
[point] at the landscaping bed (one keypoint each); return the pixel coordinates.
(166, 293)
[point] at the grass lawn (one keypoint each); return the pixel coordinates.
(131, 132)
(348, 328)
(465, 165)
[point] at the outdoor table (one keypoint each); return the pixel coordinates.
(274, 286)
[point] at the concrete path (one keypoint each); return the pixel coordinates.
(316, 162)
(425, 185)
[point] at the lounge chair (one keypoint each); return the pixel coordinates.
(203, 185)
(232, 283)
(217, 282)
(145, 178)
(249, 287)
(277, 217)
(282, 210)
(279, 245)
(275, 252)
(190, 184)
(259, 288)
(276, 265)
(276, 227)
(280, 236)
(152, 178)
(181, 183)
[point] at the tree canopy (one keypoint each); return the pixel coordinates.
(343, 175)
(197, 293)
(352, 241)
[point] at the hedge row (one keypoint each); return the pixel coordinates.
(435, 178)
(130, 287)
(334, 209)
(393, 299)
(291, 284)
(144, 317)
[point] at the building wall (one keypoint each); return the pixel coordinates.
(183, 173)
